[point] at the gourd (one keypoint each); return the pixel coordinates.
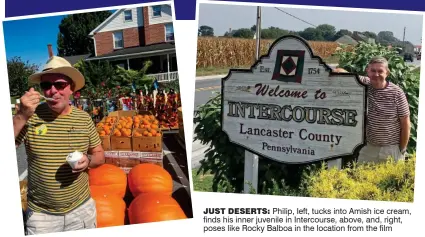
(149, 178)
(154, 207)
(108, 179)
(110, 210)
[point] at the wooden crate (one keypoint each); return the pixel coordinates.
(126, 160)
(122, 113)
(145, 143)
(106, 142)
(152, 158)
(121, 143)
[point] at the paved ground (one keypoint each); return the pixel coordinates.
(22, 160)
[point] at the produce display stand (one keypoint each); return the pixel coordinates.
(126, 152)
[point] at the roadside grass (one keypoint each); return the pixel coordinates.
(211, 71)
(202, 182)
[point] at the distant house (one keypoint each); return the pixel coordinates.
(361, 37)
(346, 39)
(131, 36)
(418, 49)
(355, 39)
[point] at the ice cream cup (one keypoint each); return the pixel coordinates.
(73, 158)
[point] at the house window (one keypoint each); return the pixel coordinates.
(128, 16)
(118, 40)
(156, 11)
(169, 32)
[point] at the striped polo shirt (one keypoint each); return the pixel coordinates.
(52, 187)
(385, 107)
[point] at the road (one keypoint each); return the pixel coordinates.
(204, 89)
(22, 160)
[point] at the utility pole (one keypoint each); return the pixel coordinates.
(258, 33)
(404, 34)
(251, 160)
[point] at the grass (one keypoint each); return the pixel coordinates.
(202, 183)
(212, 71)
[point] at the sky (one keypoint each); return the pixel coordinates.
(223, 17)
(28, 38)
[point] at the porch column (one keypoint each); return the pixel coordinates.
(168, 66)
(128, 64)
(161, 65)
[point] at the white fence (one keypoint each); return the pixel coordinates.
(167, 76)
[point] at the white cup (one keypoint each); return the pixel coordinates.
(73, 158)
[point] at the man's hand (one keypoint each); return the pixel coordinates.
(82, 164)
(29, 102)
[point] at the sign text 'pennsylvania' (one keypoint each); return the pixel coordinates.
(290, 107)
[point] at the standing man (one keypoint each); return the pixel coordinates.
(388, 115)
(59, 197)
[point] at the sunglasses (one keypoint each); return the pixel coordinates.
(59, 85)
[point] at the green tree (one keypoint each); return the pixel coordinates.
(386, 38)
(205, 31)
(18, 73)
(273, 33)
(311, 33)
(243, 33)
(327, 31)
(73, 33)
(370, 34)
(341, 33)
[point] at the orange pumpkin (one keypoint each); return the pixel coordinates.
(110, 210)
(149, 178)
(154, 207)
(108, 179)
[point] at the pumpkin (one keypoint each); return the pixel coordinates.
(154, 207)
(108, 179)
(149, 178)
(110, 210)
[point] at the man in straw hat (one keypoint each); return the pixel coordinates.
(59, 197)
(388, 115)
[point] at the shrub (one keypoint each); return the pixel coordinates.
(389, 181)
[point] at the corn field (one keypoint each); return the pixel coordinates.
(236, 52)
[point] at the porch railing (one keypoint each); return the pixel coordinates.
(161, 77)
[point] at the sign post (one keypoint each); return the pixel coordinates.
(290, 107)
(251, 159)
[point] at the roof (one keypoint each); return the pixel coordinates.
(346, 39)
(112, 16)
(137, 51)
(74, 59)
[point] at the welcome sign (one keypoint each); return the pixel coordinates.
(292, 108)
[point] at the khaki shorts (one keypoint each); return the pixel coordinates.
(83, 217)
(379, 154)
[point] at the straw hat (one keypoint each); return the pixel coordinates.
(59, 65)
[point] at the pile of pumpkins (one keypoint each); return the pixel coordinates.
(151, 187)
